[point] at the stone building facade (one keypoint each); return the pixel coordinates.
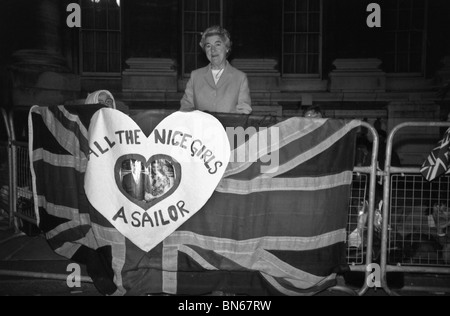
(296, 53)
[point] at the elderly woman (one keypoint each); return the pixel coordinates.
(218, 87)
(101, 96)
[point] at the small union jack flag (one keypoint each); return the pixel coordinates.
(437, 162)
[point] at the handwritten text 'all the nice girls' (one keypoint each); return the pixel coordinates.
(166, 137)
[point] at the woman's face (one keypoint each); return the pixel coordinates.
(216, 51)
(104, 98)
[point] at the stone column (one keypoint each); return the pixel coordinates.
(47, 35)
(39, 73)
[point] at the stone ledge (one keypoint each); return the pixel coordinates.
(150, 74)
(357, 75)
(151, 65)
(256, 66)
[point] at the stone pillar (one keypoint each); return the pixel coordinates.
(48, 15)
(39, 74)
(47, 35)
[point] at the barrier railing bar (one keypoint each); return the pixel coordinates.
(13, 188)
(412, 269)
(371, 214)
(10, 167)
(42, 275)
(27, 218)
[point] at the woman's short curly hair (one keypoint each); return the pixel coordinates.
(216, 30)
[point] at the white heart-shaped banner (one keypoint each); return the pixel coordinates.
(148, 187)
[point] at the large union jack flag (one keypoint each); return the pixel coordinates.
(279, 233)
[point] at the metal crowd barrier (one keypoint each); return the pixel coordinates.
(6, 181)
(22, 206)
(414, 209)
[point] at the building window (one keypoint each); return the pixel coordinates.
(405, 26)
(197, 16)
(100, 37)
(301, 37)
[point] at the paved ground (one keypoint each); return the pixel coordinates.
(28, 267)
